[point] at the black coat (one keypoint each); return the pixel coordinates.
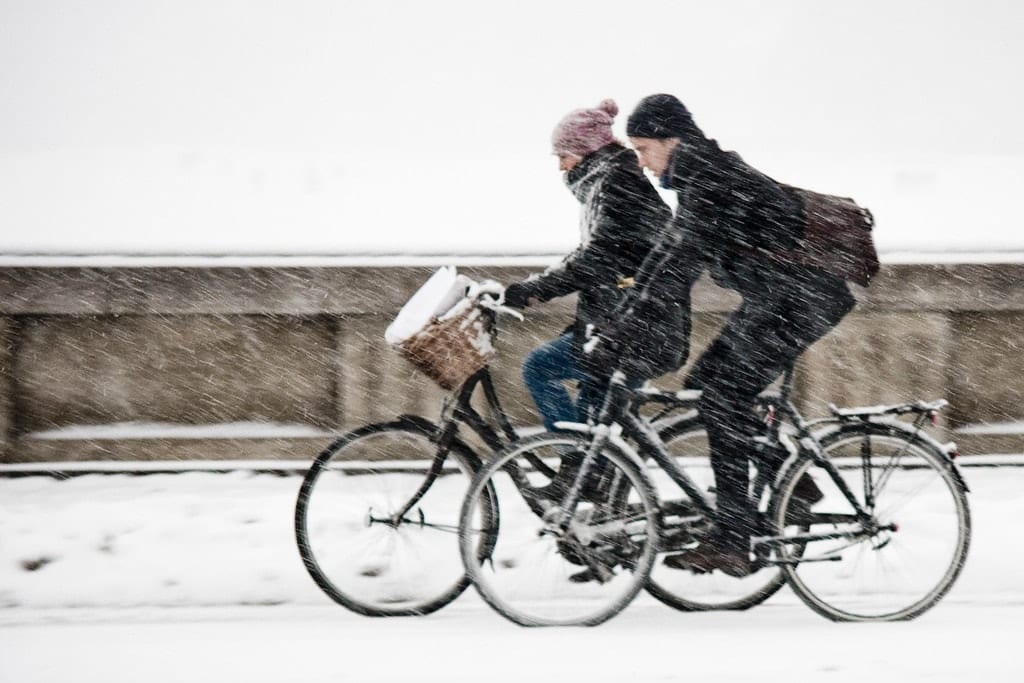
(622, 218)
(731, 221)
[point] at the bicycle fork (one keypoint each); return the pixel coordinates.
(601, 436)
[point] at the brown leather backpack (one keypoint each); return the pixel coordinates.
(837, 237)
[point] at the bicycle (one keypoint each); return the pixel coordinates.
(890, 494)
(377, 515)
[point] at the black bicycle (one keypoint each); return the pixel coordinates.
(377, 514)
(886, 541)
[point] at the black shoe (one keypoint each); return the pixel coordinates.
(708, 557)
(806, 494)
(807, 491)
(585, 576)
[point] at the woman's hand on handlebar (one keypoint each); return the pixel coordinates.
(491, 295)
(517, 295)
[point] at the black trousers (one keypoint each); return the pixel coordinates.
(758, 342)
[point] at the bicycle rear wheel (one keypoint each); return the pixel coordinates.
(900, 560)
(353, 544)
(686, 439)
(537, 575)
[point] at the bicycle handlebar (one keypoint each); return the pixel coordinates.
(491, 296)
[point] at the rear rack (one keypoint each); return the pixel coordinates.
(919, 407)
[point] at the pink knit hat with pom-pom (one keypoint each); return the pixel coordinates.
(585, 130)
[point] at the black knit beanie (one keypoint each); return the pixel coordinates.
(659, 116)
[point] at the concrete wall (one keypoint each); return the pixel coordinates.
(304, 346)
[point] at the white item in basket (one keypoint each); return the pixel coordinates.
(454, 298)
(442, 291)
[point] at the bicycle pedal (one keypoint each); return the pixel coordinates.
(807, 560)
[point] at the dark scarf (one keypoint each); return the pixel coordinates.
(591, 168)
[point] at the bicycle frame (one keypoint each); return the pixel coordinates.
(807, 442)
(458, 409)
(620, 415)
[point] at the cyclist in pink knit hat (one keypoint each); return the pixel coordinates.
(621, 218)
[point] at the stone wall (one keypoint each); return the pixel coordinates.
(301, 346)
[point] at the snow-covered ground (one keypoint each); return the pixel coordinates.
(649, 643)
(208, 538)
(195, 577)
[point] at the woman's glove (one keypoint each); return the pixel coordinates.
(517, 295)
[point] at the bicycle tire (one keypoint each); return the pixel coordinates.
(354, 486)
(921, 530)
(532, 575)
(686, 437)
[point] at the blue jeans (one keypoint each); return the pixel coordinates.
(545, 371)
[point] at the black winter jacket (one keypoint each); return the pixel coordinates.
(730, 220)
(622, 218)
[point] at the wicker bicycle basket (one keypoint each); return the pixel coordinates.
(450, 349)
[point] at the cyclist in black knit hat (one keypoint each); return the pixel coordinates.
(730, 220)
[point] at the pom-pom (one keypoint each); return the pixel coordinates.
(609, 107)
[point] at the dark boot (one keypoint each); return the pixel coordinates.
(807, 491)
(709, 556)
(806, 494)
(556, 489)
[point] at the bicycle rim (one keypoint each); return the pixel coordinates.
(532, 574)
(351, 543)
(905, 565)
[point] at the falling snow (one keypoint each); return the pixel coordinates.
(152, 137)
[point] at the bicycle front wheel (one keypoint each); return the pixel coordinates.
(377, 519)
(897, 560)
(686, 439)
(538, 574)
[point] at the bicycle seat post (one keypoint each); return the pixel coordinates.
(608, 413)
(786, 391)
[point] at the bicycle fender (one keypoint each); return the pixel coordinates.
(907, 430)
(948, 449)
(415, 421)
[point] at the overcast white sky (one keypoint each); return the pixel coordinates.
(217, 127)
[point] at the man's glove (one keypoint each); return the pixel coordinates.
(517, 295)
